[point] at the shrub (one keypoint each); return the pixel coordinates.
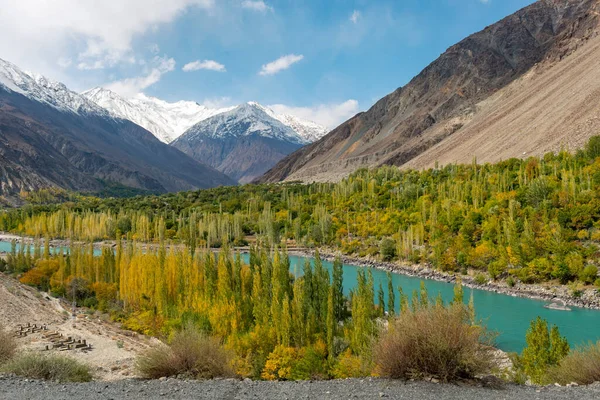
(589, 274)
(351, 366)
(49, 367)
(581, 366)
(434, 341)
(545, 348)
(387, 249)
(510, 282)
(280, 363)
(312, 363)
(480, 279)
(8, 345)
(190, 353)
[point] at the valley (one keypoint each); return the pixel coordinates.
(217, 218)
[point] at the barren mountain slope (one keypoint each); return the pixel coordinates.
(445, 96)
(544, 111)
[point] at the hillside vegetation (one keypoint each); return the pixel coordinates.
(534, 220)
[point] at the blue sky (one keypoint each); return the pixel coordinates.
(337, 56)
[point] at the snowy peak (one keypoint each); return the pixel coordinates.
(166, 121)
(248, 119)
(42, 89)
(308, 130)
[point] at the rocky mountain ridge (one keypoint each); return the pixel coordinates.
(242, 143)
(445, 97)
(51, 136)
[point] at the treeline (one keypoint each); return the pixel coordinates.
(531, 220)
(279, 325)
(261, 310)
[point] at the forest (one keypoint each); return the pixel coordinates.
(173, 261)
(530, 220)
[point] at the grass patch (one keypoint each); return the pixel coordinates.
(8, 345)
(434, 341)
(190, 354)
(581, 366)
(49, 367)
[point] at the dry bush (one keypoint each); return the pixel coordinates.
(8, 345)
(581, 366)
(190, 354)
(434, 341)
(49, 367)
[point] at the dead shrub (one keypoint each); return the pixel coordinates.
(582, 366)
(190, 354)
(8, 345)
(434, 341)
(49, 367)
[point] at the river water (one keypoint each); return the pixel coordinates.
(508, 316)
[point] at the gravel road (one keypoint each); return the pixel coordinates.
(20, 389)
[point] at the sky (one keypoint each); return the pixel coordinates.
(323, 60)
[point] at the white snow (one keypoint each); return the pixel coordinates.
(308, 130)
(42, 89)
(168, 121)
(245, 120)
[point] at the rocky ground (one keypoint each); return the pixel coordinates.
(21, 389)
(113, 349)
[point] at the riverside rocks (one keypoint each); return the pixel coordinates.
(589, 299)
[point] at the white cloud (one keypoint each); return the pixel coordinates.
(129, 87)
(210, 65)
(95, 33)
(280, 64)
(218, 102)
(328, 115)
(355, 16)
(256, 5)
(64, 62)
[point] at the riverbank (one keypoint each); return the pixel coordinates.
(590, 298)
(21, 389)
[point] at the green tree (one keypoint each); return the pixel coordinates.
(391, 296)
(387, 249)
(545, 348)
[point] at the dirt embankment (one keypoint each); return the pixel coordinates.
(113, 350)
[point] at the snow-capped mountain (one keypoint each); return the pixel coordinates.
(51, 136)
(245, 120)
(308, 130)
(242, 143)
(39, 88)
(167, 121)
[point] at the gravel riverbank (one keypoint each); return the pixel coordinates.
(21, 389)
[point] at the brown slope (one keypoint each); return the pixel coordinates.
(548, 109)
(41, 146)
(444, 97)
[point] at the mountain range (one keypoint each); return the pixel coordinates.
(523, 86)
(51, 136)
(168, 121)
(243, 143)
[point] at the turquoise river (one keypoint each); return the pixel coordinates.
(508, 316)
